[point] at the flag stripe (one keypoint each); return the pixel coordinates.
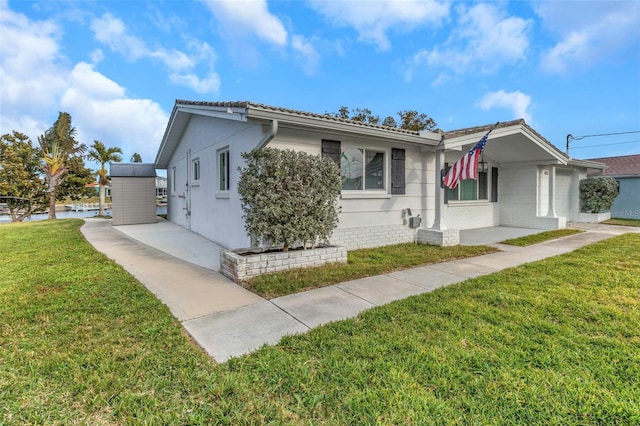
(467, 166)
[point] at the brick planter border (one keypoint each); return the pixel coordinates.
(240, 267)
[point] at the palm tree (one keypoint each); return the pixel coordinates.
(103, 155)
(58, 145)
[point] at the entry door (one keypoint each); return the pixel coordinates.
(564, 194)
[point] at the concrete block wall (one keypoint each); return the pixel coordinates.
(373, 236)
(448, 237)
(239, 267)
(472, 215)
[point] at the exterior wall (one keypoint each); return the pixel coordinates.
(373, 220)
(198, 205)
(519, 191)
(133, 200)
(470, 215)
(627, 203)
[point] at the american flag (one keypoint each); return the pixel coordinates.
(467, 166)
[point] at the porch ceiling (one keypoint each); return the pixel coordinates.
(518, 148)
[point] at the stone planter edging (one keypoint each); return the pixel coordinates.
(593, 217)
(242, 267)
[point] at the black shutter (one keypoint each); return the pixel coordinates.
(397, 171)
(331, 149)
(443, 173)
(494, 184)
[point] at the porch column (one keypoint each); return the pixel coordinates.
(439, 222)
(552, 191)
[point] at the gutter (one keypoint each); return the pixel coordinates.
(273, 131)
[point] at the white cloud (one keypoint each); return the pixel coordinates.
(307, 53)
(485, 39)
(238, 18)
(31, 71)
(112, 32)
(101, 110)
(589, 32)
(37, 82)
(518, 102)
(373, 19)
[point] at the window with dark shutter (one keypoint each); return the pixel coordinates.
(397, 171)
(331, 149)
(494, 184)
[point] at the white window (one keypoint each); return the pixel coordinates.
(470, 189)
(223, 170)
(195, 169)
(362, 169)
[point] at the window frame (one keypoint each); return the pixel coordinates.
(195, 171)
(453, 195)
(220, 189)
(364, 177)
(173, 180)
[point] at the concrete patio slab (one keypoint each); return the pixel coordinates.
(493, 234)
(322, 305)
(243, 330)
(380, 289)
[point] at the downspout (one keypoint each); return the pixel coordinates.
(273, 131)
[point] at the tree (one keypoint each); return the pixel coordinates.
(289, 196)
(412, 120)
(408, 119)
(598, 193)
(136, 158)
(389, 121)
(103, 155)
(22, 186)
(58, 146)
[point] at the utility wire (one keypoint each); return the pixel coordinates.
(607, 144)
(577, 138)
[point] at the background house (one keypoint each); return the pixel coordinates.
(390, 175)
(626, 171)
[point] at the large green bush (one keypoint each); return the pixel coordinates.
(597, 193)
(289, 196)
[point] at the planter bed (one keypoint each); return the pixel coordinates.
(242, 264)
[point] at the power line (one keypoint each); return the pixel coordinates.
(607, 144)
(570, 137)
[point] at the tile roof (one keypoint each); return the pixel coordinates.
(326, 116)
(620, 166)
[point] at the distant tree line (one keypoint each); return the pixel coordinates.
(407, 119)
(33, 178)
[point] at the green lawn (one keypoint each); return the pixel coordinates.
(540, 237)
(360, 263)
(623, 222)
(552, 342)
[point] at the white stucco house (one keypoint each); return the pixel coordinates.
(390, 175)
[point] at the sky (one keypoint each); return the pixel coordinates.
(566, 67)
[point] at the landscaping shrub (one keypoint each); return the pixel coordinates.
(289, 196)
(597, 193)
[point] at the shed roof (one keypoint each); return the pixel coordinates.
(132, 170)
(624, 165)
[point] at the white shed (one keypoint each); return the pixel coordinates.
(133, 193)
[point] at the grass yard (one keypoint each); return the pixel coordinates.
(360, 263)
(623, 222)
(528, 240)
(552, 342)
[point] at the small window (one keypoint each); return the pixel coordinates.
(223, 170)
(196, 169)
(173, 180)
(362, 169)
(469, 189)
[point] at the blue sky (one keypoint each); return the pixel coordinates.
(117, 67)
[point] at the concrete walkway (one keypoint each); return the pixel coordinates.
(227, 320)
